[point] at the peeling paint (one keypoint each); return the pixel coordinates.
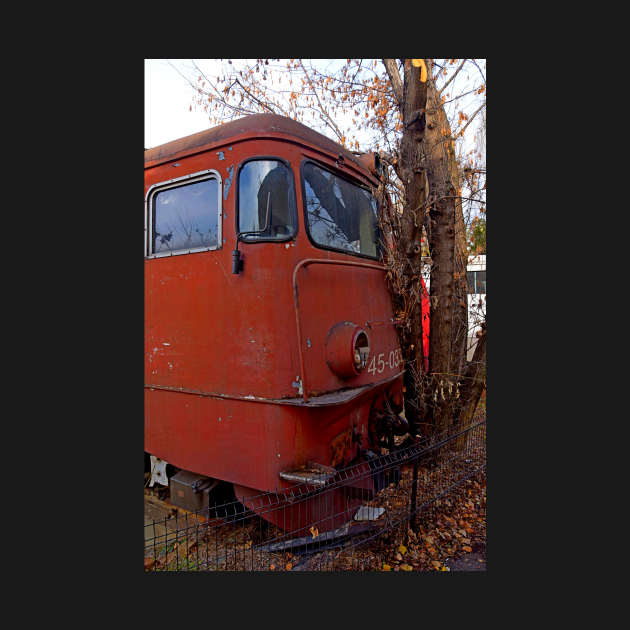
(228, 181)
(297, 383)
(166, 343)
(221, 155)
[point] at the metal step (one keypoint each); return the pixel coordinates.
(313, 474)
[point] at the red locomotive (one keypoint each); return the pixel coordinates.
(270, 352)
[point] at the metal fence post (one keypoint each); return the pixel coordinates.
(414, 495)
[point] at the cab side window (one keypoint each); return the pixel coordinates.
(266, 201)
(185, 217)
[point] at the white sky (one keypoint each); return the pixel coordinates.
(167, 98)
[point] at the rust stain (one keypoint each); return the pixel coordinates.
(340, 448)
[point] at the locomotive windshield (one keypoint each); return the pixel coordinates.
(266, 201)
(340, 215)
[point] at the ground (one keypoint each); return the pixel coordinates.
(450, 535)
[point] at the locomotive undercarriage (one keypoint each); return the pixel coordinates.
(360, 442)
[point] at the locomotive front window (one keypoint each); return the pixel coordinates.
(266, 201)
(185, 217)
(340, 215)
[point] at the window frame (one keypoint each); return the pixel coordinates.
(177, 182)
(475, 272)
(326, 167)
(477, 281)
(253, 239)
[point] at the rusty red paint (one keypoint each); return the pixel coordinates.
(218, 344)
(340, 448)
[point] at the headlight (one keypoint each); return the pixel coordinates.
(347, 349)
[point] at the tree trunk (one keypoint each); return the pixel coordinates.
(414, 98)
(428, 163)
(474, 381)
(474, 385)
(447, 242)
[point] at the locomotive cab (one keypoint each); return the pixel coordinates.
(270, 347)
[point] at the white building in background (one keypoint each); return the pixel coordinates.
(476, 276)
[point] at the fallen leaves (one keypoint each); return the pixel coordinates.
(451, 528)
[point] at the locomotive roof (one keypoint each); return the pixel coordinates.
(256, 125)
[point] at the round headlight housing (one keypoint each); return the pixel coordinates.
(347, 349)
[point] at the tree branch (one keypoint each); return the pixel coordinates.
(323, 113)
(472, 117)
(394, 77)
(461, 65)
